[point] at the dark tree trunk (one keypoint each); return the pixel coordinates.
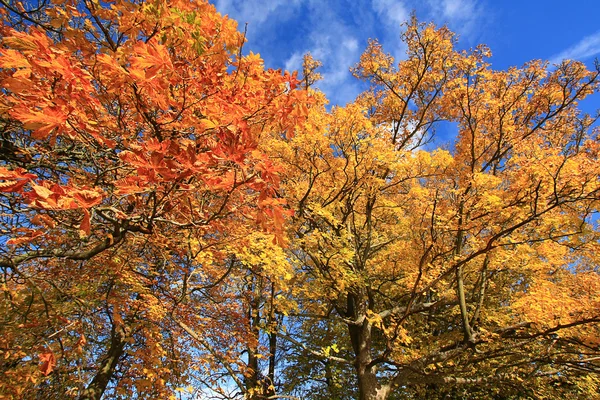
(96, 388)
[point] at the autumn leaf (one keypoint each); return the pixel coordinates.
(20, 41)
(81, 342)
(84, 227)
(48, 363)
(13, 59)
(150, 58)
(15, 180)
(41, 191)
(27, 237)
(185, 213)
(43, 122)
(87, 198)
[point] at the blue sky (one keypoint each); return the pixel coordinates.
(336, 31)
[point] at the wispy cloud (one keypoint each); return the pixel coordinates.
(336, 32)
(255, 12)
(333, 41)
(294, 63)
(462, 16)
(392, 12)
(586, 48)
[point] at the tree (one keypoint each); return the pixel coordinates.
(435, 272)
(130, 178)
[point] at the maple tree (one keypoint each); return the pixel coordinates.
(178, 221)
(130, 178)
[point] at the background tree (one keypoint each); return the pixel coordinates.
(441, 271)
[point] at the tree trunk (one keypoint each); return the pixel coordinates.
(252, 381)
(369, 387)
(96, 388)
(274, 324)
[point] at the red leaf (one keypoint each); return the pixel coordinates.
(80, 343)
(29, 235)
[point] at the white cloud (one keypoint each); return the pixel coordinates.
(327, 35)
(254, 12)
(587, 47)
(457, 9)
(391, 12)
(332, 40)
(336, 32)
(462, 16)
(294, 63)
(337, 53)
(350, 44)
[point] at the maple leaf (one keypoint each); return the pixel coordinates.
(292, 79)
(20, 41)
(202, 157)
(150, 58)
(84, 226)
(41, 191)
(81, 342)
(130, 185)
(29, 235)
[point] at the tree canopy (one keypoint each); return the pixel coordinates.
(178, 221)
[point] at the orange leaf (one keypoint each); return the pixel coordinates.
(84, 227)
(13, 181)
(80, 343)
(48, 362)
(28, 237)
(41, 122)
(13, 59)
(87, 198)
(41, 191)
(21, 41)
